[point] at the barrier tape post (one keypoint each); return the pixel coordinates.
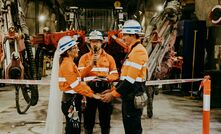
(206, 104)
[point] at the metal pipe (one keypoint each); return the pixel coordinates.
(193, 62)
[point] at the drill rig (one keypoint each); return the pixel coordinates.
(47, 42)
(161, 40)
(16, 58)
(160, 47)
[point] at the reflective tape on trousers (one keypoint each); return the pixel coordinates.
(148, 83)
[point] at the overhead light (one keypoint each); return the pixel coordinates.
(135, 16)
(159, 8)
(41, 18)
(140, 12)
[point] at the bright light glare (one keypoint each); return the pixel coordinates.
(41, 18)
(160, 8)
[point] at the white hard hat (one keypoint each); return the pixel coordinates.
(65, 43)
(132, 27)
(96, 35)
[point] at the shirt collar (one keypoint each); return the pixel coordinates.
(133, 43)
(68, 59)
(102, 52)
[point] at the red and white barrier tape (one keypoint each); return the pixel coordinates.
(148, 83)
(30, 82)
(172, 81)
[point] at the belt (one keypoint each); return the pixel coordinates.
(67, 96)
(99, 86)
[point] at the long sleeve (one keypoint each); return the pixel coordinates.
(83, 68)
(113, 73)
(133, 70)
(69, 79)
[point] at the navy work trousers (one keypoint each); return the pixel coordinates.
(69, 129)
(131, 117)
(104, 109)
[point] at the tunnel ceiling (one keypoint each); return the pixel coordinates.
(128, 5)
(91, 3)
(97, 3)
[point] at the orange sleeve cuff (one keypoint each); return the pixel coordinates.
(115, 93)
(83, 89)
(85, 71)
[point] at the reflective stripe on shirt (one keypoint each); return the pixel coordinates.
(131, 80)
(62, 79)
(133, 64)
(90, 78)
(70, 92)
(113, 71)
(100, 69)
(80, 68)
(74, 84)
(145, 65)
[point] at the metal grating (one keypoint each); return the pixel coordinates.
(96, 19)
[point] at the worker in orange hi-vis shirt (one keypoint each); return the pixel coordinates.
(103, 73)
(71, 86)
(132, 79)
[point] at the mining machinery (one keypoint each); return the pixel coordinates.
(16, 57)
(159, 42)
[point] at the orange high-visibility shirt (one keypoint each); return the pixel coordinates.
(133, 69)
(70, 80)
(105, 66)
